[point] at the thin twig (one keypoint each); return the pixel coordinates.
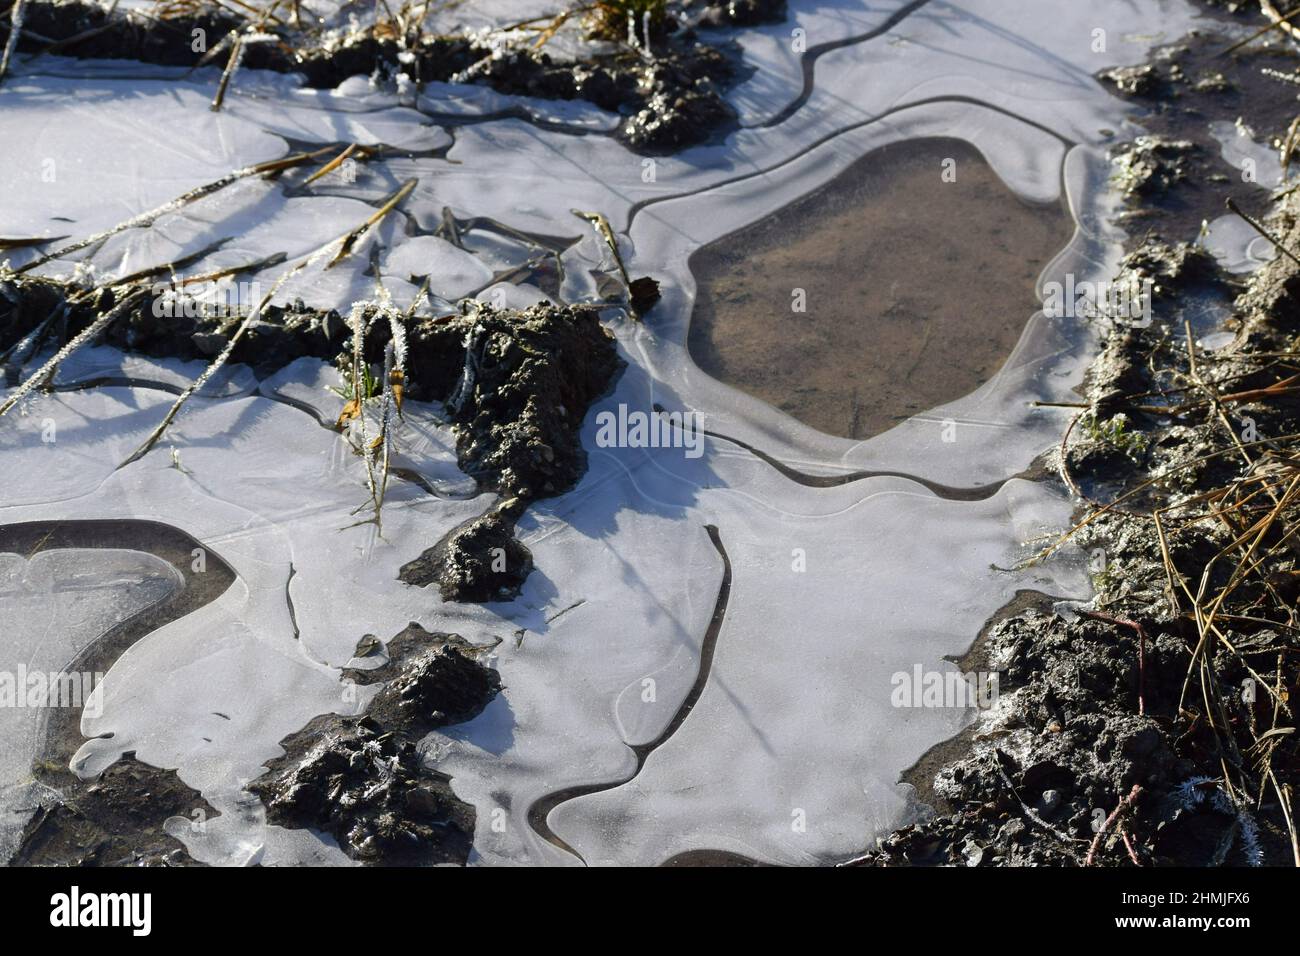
(1114, 815)
(86, 334)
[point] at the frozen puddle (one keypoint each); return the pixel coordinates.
(898, 286)
(735, 612)
(56, 604)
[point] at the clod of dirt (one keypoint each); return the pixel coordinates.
(643, 293)
(1171, 268)
(526, 382)
(370, 791)
(1150, 165)
(116, 820)
(480, 560)
(1139, 80)
(672, 100)
(364, 780)
(684, 103)
(433, 679)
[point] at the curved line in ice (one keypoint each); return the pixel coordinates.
(165, 542)
(541, 809)
(821, 141)
(808, 62)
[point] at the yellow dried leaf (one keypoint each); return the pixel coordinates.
(395, 381)
(350, 411)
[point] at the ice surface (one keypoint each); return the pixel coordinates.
(452, 272)
(1236, 245)
(1251, 160)
(793, 719)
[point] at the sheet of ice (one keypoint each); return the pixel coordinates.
(63, 446)
(895, 577)
(1236, 245)
(874, 600)
(459, 100)
(82, 157)
(311, 117)
(1034, 60)
(1251, 160)
(452, 272)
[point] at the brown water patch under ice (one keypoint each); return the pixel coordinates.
(917, 289)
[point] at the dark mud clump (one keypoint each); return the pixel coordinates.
(1177, 168)
(1153, 728)
(1151, 165)
(515, 384)
(364, 780)
(526, 381)
(115, 820)
(480, 560)
(738, 13)
(186, 331)
(434, 679)
(670, 100)
(369, 790)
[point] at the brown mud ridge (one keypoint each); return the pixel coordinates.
(522, 380)
(363, 780)
(875, 345)
(670, 101)
(1157, 725)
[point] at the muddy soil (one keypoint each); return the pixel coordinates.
(875, 344)
(669, 101)
(1121, 737)
(115, 820)
(515, 384)
(363, 780)
(1178, 165)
